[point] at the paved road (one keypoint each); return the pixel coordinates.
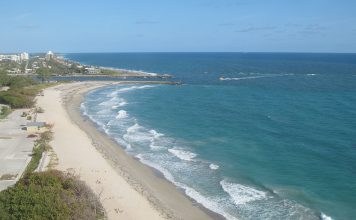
(15, 148)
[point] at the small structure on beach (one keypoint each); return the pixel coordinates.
(35, 127)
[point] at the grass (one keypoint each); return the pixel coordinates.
(41, 145)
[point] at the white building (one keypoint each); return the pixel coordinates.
(49, 55)
(92, 70)
(14, 58)
(24, 56)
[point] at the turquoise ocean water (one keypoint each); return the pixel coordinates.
(247, 135)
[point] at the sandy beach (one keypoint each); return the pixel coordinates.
(127, 188)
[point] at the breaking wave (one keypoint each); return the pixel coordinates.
(241, 194)
(182, 154)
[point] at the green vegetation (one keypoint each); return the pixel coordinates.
(41, 145)
(22, 90)
(62, 69)
(4, 111)
(109, 72)
(43, 73)
(50, 195)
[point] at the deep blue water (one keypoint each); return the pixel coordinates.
(275, 139)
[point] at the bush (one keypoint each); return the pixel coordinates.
(41, 145)
(50, 195)
(16, 100)
(4, 111)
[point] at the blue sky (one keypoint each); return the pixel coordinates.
(178, 25)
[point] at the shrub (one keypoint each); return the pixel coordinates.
(16, 100)
(41, 145)
(50, 195)
(4, 111)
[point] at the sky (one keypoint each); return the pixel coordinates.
(178, 26)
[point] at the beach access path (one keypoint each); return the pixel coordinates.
(126, 188)
(15, 148)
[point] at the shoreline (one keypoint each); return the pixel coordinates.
(165, 198)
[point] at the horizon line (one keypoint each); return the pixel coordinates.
(132, 52)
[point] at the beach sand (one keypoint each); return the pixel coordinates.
(127, 188)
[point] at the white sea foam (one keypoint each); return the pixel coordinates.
(164, 171)
(254, 77)
(182, 154)
(128, 147)
(241, 194)
(325, 217)
(155, 147)
(311, 74)
(209, 203)
(133, 128)
(213, 166)
(82, 106)
(126, 89)
(137, 133)
(121, 103)
(121, 114)
(110, 102)
(155, 134)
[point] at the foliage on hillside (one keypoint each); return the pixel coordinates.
(22, 90)
(50, 195)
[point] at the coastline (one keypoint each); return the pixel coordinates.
(161, 199)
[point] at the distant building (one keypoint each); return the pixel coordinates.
(92, 70)
(50, 55)
(14, 58)
(24, 56)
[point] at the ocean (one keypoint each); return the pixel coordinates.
(247, 135)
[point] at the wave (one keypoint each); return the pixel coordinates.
(160, 151)
(209, 203)
(254, 77)
(153, 146)
(182, 154)
(133, 128)
(241, 194)
(325, 217)
(110, 102)
(121, 114)
(213, 166)
(156, 134)
(126, 89)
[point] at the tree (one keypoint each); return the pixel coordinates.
(43, 73)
